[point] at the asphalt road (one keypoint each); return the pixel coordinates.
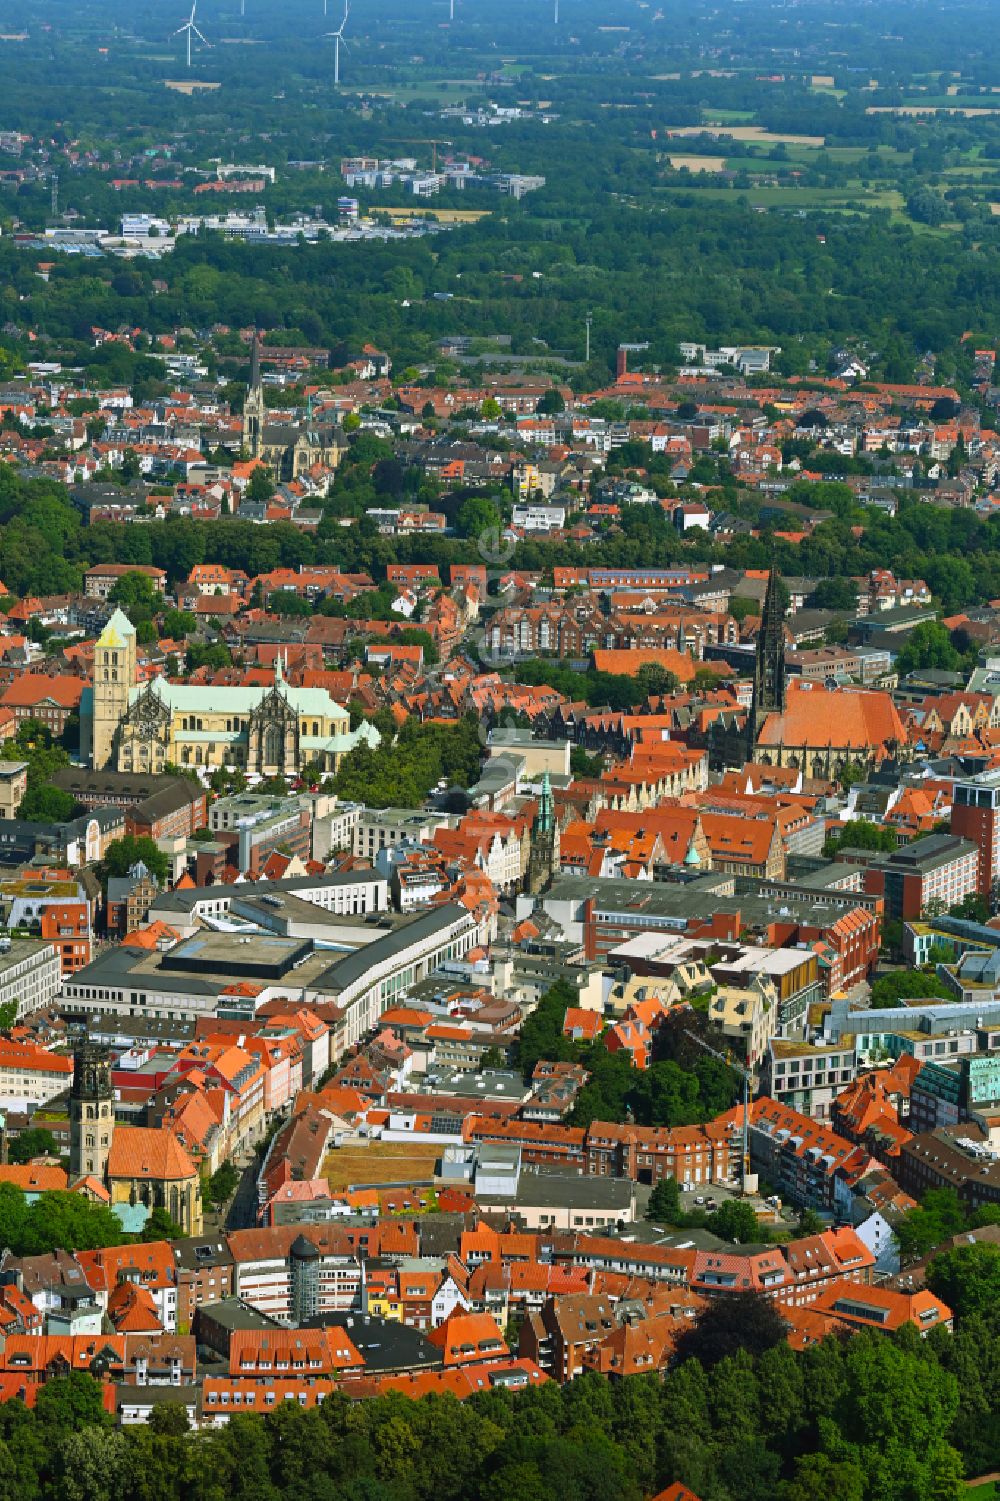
(241, 1212)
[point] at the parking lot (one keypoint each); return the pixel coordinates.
(706, 1196)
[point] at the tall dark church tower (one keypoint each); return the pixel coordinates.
(254, 410)
(769, 664)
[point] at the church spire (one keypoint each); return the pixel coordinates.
(769, 662)
(543, 853)
(545, 817)
(253, 406)
(255, 361)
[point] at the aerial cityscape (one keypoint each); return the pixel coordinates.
(499, 751)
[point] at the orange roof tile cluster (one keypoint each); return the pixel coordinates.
(142, 1152)
(862, 720)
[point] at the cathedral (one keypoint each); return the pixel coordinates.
(287, 449)
(263, 731)
(808, 726)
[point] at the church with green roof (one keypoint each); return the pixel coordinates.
(264, 731)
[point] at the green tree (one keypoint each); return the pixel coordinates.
(860, 834)
(71, 1403)
(820, 1478)
(738, 1322)
(131, 849)
(35, 1142)
(222, 1184)
(214, 655)
(967, 1279)
(834, 594)
(159, 1226)
(169, 1420)
(928, 645)
(939, 1216)
(261, 486)
(665, 1202)
(735, 1220)
(43, 803)
(136, 595)
(178, 623)
(94, 1465)
(907, 984)
(478, 517)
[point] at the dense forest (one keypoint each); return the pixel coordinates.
(707, 270)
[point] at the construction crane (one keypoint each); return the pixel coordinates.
(730, 1062)
(434, 141)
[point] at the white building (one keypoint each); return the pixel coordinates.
(532, 516)
(30, 1076)
(30, 974)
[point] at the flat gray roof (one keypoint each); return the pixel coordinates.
(344, 972)
(563, 1191)
(184, 901)
(21, 949)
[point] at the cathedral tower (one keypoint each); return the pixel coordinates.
(91, 1113)
(114, 677)
(769, 664)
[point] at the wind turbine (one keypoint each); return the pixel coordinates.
(338, 37)
(190, 27)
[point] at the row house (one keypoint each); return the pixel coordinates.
(264, 1355)
(147, 1266)
(804, 1159)
(543, 1145)
(559, 630)
(242, 1076)
(794, 1273)
(221, 1396)
(701, 1154)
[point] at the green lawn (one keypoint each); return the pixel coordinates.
(954, 101)
(792, 197)
(985, 1492)
(727, 116)
(441, 90)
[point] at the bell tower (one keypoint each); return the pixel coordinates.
(114, 677)
(91, 1113)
